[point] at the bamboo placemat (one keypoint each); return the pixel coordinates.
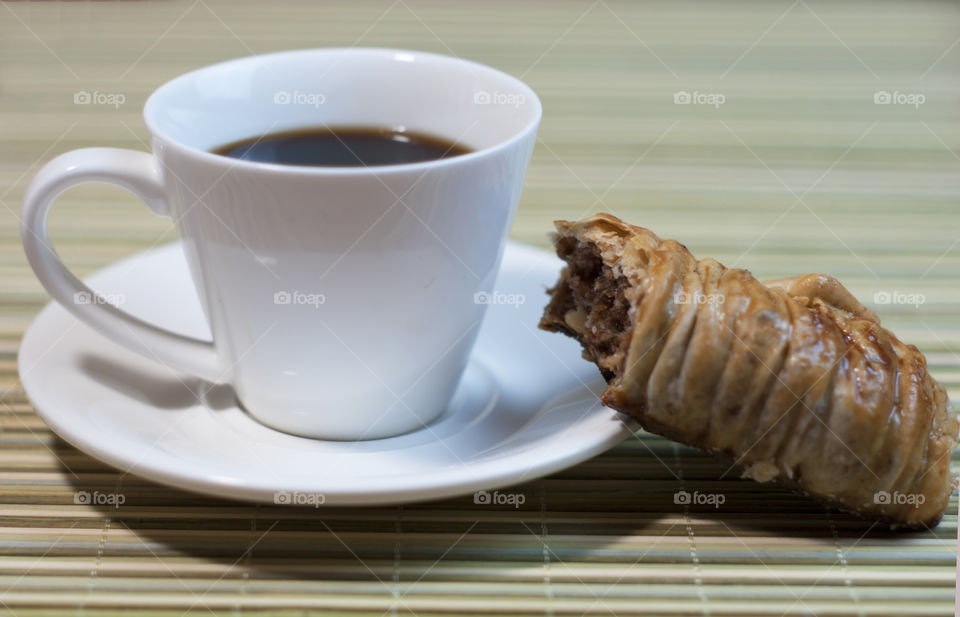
(795, 169)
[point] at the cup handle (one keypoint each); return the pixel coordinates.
(139, 173)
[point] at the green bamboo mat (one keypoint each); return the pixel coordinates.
(797, 170)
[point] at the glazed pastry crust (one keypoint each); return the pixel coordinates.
(793, 379)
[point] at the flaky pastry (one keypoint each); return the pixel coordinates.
(793, 379)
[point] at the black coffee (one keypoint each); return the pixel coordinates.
(343, 147)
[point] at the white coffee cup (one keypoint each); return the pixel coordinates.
(342, 300)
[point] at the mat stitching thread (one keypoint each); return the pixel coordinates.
(245, 578)
(107, 522)
(101, 544)
(395, 577)
(694, 558)
(545, 550)
(842, 557)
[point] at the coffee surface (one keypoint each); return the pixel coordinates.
(343, 147)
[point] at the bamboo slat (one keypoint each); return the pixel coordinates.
(797, 170)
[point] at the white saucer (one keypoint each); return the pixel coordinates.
(527, 405)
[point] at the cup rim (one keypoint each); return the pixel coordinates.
(300, 170)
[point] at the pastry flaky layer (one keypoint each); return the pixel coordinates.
(793, 379)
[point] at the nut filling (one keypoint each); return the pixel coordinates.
(589, 304)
